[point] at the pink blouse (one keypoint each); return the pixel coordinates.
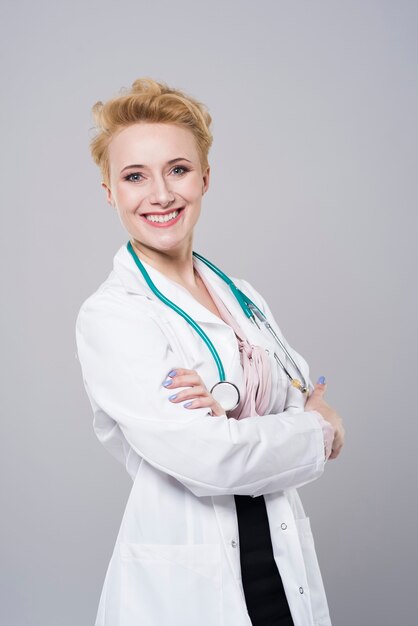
(257, 374)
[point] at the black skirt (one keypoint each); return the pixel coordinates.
(263, 588)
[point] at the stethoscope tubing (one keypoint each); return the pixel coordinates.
(285, 350)
(250, 309)
(180, 311)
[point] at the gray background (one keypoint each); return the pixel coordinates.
(313, 199)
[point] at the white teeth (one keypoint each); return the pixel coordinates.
(162, 218)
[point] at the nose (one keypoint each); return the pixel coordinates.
(160, 193)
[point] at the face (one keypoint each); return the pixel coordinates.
(155, 171)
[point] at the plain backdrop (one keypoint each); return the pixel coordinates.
(313, 199)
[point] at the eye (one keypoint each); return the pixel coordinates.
(180, 167)
(131, 177)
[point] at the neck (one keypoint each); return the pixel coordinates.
(178, 267)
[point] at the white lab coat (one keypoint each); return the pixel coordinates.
(176, 557)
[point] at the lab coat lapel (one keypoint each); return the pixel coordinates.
(220, 333)
(133, 280)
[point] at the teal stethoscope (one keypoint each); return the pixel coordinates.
(224, 392)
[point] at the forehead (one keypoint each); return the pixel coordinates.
(150, 143)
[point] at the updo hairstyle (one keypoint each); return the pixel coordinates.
(149, 101)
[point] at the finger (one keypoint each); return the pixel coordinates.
(203, 401)
(179, 371)
(320, 387)
(190, 393)
(336, 449)
(339, 437)
(183, 380)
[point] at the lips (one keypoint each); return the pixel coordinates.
(168, 224)
(163, 212)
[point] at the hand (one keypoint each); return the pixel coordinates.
(316, 402)
(198, 393)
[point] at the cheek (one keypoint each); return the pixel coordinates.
(127, 198)
(191, 188)
(193, 193)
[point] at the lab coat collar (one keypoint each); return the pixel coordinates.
(134, 282)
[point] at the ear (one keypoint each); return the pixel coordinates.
(206, 177)
(109, 195)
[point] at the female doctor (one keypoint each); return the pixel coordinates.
(214, 532)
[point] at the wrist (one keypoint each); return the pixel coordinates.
(328, 433)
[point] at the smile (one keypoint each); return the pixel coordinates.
(162, 221)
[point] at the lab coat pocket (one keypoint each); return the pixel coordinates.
(316, 587)
(170, 584)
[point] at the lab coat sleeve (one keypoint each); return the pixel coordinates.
(125, 357)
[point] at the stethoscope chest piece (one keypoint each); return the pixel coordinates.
(227, 394)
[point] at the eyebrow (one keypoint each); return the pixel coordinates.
(168, 162)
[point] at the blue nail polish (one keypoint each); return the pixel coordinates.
(172, 373)
(173, 397)
(188, 403)
(166, 383)
(321, 380)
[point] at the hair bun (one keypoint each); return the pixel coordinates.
(149, 86)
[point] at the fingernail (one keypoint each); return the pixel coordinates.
(166, 383)
(173, 397)
(188, 403)
(321, 380)
(172, 373)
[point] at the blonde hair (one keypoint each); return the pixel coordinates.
(149, 101)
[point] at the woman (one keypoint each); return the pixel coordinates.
(214, 531)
